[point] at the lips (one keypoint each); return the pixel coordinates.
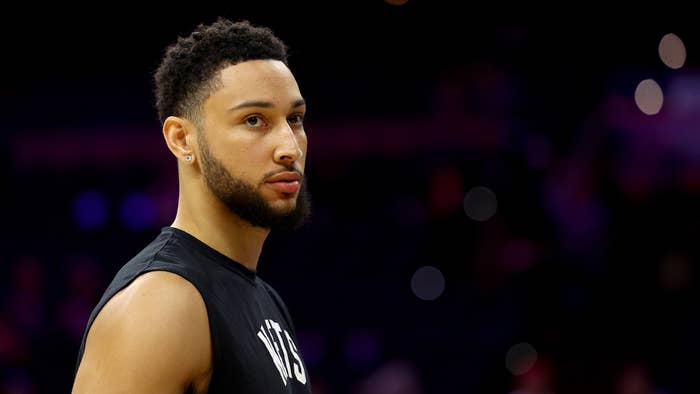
(285, 182)
(287, 176)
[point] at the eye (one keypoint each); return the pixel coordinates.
(255, 121)
(296, 119)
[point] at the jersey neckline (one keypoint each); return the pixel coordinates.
(213, 253)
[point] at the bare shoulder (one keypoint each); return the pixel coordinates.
(153, 336)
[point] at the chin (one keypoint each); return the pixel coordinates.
(283, 198)
(284, 207)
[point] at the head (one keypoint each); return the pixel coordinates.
(232, 114)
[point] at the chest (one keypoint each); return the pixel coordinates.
(254, 348)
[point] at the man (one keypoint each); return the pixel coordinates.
(189, 313)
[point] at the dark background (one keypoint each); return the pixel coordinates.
(422, 119)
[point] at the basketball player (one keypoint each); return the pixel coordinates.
(189, 313)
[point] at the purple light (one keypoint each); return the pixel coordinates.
(138, 211)
(312, 346)
(90, 209)
(361, 349)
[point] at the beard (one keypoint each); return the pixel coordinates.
(244, 199)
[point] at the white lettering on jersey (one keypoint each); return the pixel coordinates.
(275, 345)
(273, 341)
(275, 358)
(298, 369)
(278, 330)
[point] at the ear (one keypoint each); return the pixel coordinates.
(179, 134)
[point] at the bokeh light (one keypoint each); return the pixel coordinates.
(138, 211)
(672, 51)
(397, 376)
(520, 358)
(312, 345)
(428, 283)
(361, 348)
(90, 209)
(649, 97)
(480, 203)
(675, 272)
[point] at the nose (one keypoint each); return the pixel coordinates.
(288, 150)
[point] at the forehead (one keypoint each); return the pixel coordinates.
(269, 80)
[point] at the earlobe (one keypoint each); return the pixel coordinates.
(176, 133)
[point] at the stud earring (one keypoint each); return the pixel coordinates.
(188, 158)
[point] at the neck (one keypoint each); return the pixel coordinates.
(204, 216)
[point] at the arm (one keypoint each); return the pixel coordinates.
(151, 337)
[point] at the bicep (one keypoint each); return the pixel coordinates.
(152, 337)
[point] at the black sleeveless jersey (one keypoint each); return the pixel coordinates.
(253, 339)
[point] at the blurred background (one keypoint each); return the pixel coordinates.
(502, 204)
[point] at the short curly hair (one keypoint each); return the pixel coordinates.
(188, 72)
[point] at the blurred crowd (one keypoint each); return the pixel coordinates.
(483, 241)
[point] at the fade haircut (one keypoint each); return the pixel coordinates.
(189, 71)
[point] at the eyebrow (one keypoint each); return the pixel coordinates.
(264, 104)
